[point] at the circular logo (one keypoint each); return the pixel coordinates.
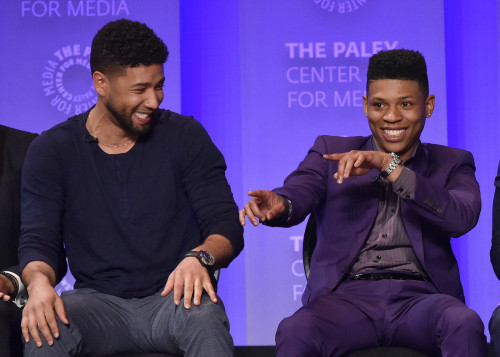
(340, 7)
(67, 81)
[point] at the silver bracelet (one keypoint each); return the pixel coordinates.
(396, 160)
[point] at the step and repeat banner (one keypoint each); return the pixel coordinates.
(303, 74)
(45, 70)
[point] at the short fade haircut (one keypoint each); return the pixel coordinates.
(125, 43)
(399, 64)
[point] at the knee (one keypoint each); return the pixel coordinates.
(294, 328)
(207, 316)
(463, 318)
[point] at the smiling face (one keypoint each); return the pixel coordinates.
(396, 111)
(133, 96)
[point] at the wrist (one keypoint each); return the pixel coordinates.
(393, 164)
(9, 284)
(37, 281)
(205, 258)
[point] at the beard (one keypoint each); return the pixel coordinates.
(124, 120)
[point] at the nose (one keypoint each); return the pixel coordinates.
(392, 114)
(153, 99)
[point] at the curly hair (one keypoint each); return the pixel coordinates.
(399, 64)
(125, 43)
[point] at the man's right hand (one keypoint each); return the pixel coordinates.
(40, 311)
(264, 205)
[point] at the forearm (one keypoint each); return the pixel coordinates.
(453, 210)
(38, 272)
(221, 249)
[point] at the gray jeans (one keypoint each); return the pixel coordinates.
(101, 325)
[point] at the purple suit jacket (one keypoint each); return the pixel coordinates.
(447, 204)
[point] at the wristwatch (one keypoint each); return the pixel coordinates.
(396, 160)
(205, 258)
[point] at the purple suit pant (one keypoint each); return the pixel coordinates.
(362, 314)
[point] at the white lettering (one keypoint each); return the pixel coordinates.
(329, 74)
(92, 8)
(309, 50)
(361, 49)
(307, 99)
(300, 270)
(40, 8)
(349, 99)
(298, 291)
(296, 242)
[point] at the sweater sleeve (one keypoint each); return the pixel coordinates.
(203, 169)
(42, 206)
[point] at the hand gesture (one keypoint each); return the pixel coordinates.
(40, 313)
(263, 205)
(358, 163)
(191, 277)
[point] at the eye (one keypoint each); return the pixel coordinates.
(159, 88)
(406, 104)
(378, 105)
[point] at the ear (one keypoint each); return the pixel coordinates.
(365, 105)
(429, 105)
(100, 83)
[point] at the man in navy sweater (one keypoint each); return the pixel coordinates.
(136, 199)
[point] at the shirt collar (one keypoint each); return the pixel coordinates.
(405, 162)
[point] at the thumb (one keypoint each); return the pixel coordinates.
(276, 210)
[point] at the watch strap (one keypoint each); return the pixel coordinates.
(198, 255)
(396, 160)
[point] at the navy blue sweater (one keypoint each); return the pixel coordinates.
(124, 221)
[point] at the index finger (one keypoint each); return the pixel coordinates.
(242, 217)
(257, 193)
(334, 157)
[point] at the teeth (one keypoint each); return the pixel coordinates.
(394, 132)
(141, 115)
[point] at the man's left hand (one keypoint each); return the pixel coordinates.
(358, 163)
(191, 277)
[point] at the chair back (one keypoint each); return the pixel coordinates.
(309, 243)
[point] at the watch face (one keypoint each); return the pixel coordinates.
(206, 258)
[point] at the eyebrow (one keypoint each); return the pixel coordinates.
(146, 84)
(400, 98)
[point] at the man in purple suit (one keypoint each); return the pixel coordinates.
(383, 272)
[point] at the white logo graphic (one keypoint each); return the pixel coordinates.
(67, 81)
(340, 7)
